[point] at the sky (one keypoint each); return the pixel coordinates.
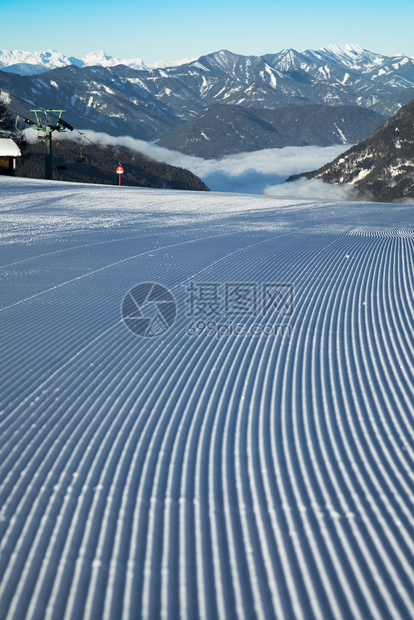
(162, 30)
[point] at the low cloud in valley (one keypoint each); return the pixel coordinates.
(259, 172)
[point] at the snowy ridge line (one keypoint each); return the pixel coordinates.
(205, 476)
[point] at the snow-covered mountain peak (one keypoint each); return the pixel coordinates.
(350, 56)
(162, 64)
(23, 62)
(222, 56)
(101, 59)
(11, 57)
(27, 63)
(349, 49)
(97, 58)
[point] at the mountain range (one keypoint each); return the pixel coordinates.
(152, 103)
(380, 167)
(30, 63)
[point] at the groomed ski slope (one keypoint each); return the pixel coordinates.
(205, 473)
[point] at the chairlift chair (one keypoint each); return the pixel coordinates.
(21, 139)
(80, 158)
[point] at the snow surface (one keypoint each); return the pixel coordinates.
(204, 475)
(8, 148)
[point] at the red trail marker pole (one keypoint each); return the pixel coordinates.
(120, 171)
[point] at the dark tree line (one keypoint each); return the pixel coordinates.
(99, 166)
(7, 123)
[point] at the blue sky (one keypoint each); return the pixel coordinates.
(166, 30)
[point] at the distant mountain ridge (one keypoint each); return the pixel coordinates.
(32, 63)
(380, 167)
(150, 104)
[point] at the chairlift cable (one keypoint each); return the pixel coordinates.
(89, 163)
(107, 155)
(58, 141)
